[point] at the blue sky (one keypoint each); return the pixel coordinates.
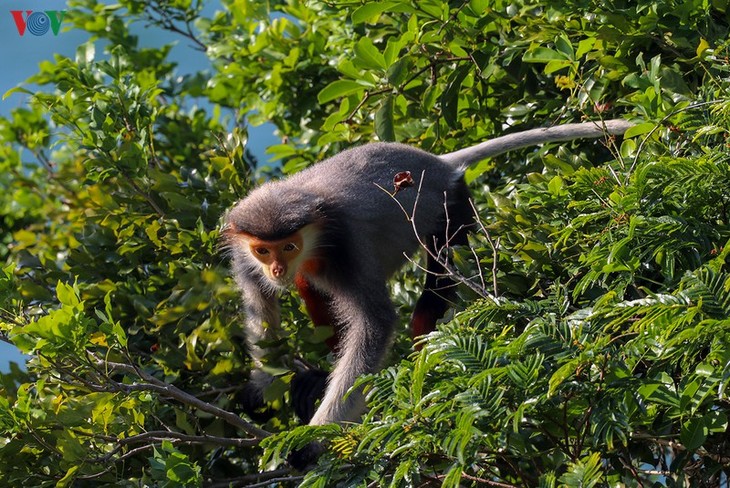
(20, 56)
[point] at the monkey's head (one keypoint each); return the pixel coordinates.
(278, 232)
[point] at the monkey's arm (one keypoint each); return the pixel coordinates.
(370, 320)
(263, 319)
(532, 137)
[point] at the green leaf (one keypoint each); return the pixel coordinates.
(67, 295)
(338, 89)
(585, 473)
(564, 47)
(694, 433)
(479, 6)
(543, 55)
(68, 477)
(450, 95)
(17, 89)
(370, 11)
(639, 129)
(453, 477)
(702, 47)
(585, 46)
(393, 49)
(561, 374)
(716, 421)
(384, 126)
(368, 56)
(399, 71)
(555, 186)
(559, 165)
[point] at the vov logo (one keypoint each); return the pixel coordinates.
(38, 23)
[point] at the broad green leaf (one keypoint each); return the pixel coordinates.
(564, 47)
(67, 295)
(450, 96)
(716, 421)
(543, 55)
(370, 11)
(555, 186)
(399, 71)
(702, 47)
(694, 433)
(367, 55)
(393, 49)
(479, 6)
(338, 89)
(17, 89)
(585, 46)
(68, 478)
(639, 129)
(384, 127)
(555, 163)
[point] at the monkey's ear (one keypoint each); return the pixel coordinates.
(230, 235)
(230, 230)
(231, 227)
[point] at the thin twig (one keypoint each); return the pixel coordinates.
(130, 453)
(251, 480)
(493, 245)
(166, 435)
(167, 23)
(487, 482)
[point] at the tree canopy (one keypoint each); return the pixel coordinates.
(591, 343)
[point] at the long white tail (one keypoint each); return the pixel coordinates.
(566, 132)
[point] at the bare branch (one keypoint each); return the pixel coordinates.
(171, 391)
(164, 435)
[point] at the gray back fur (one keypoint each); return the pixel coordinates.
(358, 183)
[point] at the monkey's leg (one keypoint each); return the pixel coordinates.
(263, 320)
(262, 325)
(439, 291)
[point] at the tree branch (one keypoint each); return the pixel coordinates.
(165, 389)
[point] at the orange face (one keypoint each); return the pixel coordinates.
(279, 258)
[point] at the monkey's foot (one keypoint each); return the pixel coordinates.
(305, 458)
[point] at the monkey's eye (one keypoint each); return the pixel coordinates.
(261, 251)
(290, 247)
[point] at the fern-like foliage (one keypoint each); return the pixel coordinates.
(603, 361)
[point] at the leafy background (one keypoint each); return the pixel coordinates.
(590, 348)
